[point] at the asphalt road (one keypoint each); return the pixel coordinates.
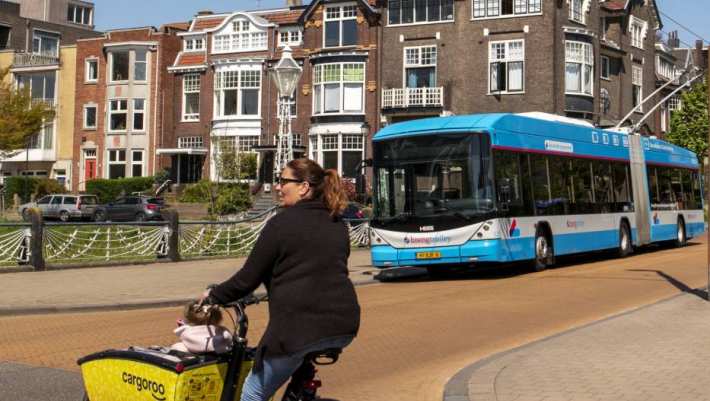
(415, 335)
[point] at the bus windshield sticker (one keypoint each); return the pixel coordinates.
(559, 146)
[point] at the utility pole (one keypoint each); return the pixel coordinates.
(705, 171)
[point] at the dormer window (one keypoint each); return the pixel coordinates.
(239, 36)
(637, 28)
(194, 44)
(340, 26)
(290, 37)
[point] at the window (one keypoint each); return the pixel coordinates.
(92, 70)
(244, 36)
(637, 29)
(505, 8)
(604, 101)
(420, 67)
(138, 114)
(416, 11)
(290, 37)
(506, 66)
(139, 65)
(674, 103)
(79, 15)
(119, 66)
(90, 117)
(605, 67)
(665, 68)
(116, 163)
(238, 93)
(579, 67)
(45, 44)
(340, 26)
(194, 44)
(292, 106)
(137, 163)
(191, 97)
(118, 115)
(637, 85)
(190, 142)
(69, 200)
(338, 88)
(342, 152)
(576, 10)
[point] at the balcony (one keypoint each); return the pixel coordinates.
(29, 60)
(412, 97)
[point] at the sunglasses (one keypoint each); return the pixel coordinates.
(283, 180)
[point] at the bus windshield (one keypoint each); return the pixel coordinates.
(432, 177)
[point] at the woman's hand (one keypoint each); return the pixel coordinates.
(205, 295)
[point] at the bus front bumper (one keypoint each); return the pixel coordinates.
(384, 256)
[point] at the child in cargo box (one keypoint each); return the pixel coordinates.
(200, 331)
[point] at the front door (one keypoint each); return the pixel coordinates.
(89, 169)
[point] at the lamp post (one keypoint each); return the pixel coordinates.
(285, 75)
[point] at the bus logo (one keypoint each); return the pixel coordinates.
(514, 231)
(556, 146)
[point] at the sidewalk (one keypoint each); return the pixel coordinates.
(121, 287)
(659, 352)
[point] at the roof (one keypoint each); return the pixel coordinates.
(184, 26)
(546, 135)
(284, 18)
(189, 59)
(614, 5)
(207, 23)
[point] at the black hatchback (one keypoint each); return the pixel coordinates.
(130, 208)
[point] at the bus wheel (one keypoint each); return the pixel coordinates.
(625, 245)
(543, 252)
(681, 239)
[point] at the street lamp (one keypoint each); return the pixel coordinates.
(285, 75)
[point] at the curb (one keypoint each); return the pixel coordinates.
(456, 389)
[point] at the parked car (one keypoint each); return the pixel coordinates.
(62, 206)
(130, 208)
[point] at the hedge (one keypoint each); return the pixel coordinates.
(109, 190)
(25, 187)
(229, 198)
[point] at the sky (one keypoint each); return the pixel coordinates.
(113, 14)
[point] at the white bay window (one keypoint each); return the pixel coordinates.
(238, 93)
(342, 152)
(339, 88)
(579, 68)
(505, 8)
(239, 36)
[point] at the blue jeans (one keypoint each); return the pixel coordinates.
(262, 385)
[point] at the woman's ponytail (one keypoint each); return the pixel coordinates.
(334, 195)
(326, 184)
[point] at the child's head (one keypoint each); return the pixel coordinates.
(202, 315)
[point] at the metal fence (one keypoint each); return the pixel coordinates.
(39, 244)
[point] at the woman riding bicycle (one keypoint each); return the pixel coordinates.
(301, 257)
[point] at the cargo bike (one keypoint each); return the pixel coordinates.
(161, 374)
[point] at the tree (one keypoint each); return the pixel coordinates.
(235, 165)
(689, 125)
(20, 116)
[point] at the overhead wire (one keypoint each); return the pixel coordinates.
(684, 27)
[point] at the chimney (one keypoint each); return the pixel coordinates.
(673, 41)
(294, 3)
(204, 12)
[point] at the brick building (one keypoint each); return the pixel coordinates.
(75, 13)
(41, 56)
(120, 98)
(460, 57)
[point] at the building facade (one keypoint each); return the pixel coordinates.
(42, 58)
(75, 13)
(120, 80)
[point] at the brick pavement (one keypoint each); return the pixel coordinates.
(156, 284)
(660, 352)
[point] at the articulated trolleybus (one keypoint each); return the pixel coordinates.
(490, 188)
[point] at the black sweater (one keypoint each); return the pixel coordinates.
(301, 257)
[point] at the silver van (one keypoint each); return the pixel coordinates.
(62, 207)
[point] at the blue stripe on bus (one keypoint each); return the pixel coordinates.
(694, 229)
(663, 232)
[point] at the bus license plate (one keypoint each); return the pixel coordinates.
(428, 255)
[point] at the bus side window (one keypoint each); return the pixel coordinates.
(383, 182)
(541, 184)
(687, 181)
(622, 190)
(603, 196)
(665, 188)
(508, 182)
(677, 188)
(581, 180)
(653, 187)
(558, 168)
(697, 192)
